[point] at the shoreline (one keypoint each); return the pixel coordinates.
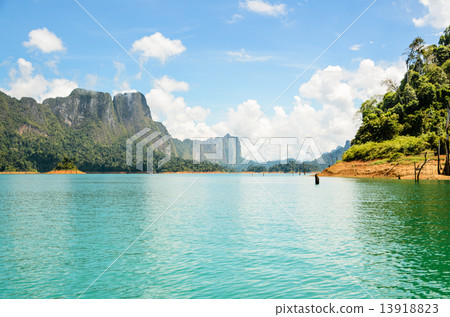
(59, 172)
(375, 169)
(70, 172)
(381, 169)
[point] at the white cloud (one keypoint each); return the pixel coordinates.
(336, 94)
(44, 40)
(235, 18)
(324, 108)
(171, 85)
(337, 86)
(243, 56)
(356, 47)
(264, 8)
(25, 84)
(173, 111)
(157, 46)
(438, 15)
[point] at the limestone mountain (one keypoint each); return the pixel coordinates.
(91, 127)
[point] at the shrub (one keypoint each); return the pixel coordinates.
(391, 149)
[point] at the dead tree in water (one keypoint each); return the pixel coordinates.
(418, 169)
(447, 161)
(439, 157)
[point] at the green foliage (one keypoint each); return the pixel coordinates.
(378, 127)
(446, 68)
(257, 168)
(66, 164)
(404, 145)
(416, 109)
(445, 39)
(176, 164)
(426, 93)
(295, 167)
(414, 59)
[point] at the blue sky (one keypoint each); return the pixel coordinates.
(223, 60)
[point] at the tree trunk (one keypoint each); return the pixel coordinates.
(439, 157)
(415, 172)
(447, 160)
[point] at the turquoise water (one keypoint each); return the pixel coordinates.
(227, 236)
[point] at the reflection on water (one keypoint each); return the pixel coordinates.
(226, 237)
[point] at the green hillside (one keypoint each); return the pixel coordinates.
(410, 118)
(90, 128)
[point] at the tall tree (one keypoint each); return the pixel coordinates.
(414, 55)
(445, 39)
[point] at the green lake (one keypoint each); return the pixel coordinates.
(222, 236)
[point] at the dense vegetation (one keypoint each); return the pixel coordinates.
(66, 164)
(410, 116)
(88, 127)
(295, 167)
(390, 149)
(290, 167)
(176, 164)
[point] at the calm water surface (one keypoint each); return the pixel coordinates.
(227, 236)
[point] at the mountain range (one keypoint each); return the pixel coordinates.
(91, 128)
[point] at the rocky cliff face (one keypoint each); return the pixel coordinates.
(131, 106)
(82, 104)
(87, 125)
(129, 111)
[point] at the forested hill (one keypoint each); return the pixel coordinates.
(90, 128)
(411, 116)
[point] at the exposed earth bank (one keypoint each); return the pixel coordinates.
(384, 169)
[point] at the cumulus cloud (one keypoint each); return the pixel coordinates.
(438, 15)
(336, 86)
(328, 125)
(324, 109)
(243, 56)
(174, 112)
(157, 46)
(25, 84)
(171, 85)
(264, 8)
(44, 40)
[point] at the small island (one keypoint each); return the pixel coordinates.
(66, 166)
